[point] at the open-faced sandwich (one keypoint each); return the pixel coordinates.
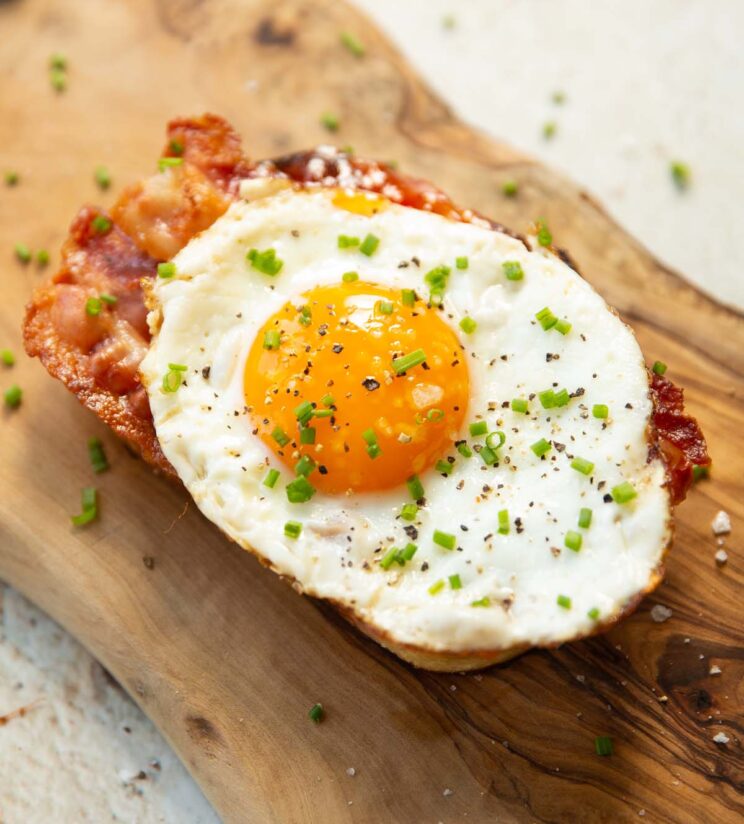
(398, 405)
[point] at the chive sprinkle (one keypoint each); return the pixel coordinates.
(561, 398)
(265, 262)
(435, 415)
(600, 410)
(58, 79)
(408, 297)
(546, 398)
(7, 357)
(444, 539)
(89, 507)
(585, 517)
(681, 174)
(93, 306)
(485, 601)
(385, 307)
(13, 396)
(623, 493)
(492, 437)
(520, 405)
(541, 447)
(169, 163)
(300, 490)
(176, 147)
(109, 300)
(488, 455)
(408, 551)
(292, 529)
(172, 379)
(58, 61)
(347, 241)
(280, 436)
(603, 745)
(455, 582)
(444, 467)
(437, 279)
(42, 257)
(699, 472)
(573, 540)
(100, 224)
(503, 517)
(462, 262)
(544, 237)
(408, 512)
(582, 465)
(513, 270)
(464, 450)
(563, 601)
(468, 325)
(327, 400)
(436, 587)
(317, 713)
(352, 44)
(510, 188)
(406, 362)
(562, 326)
(271, 339)
(415, 488)
(659, 367)
(549, 130)
(22, 252)
(349, 277)
(272, 476)
(478, 428)
(166, 270)
(330, 121)
(102, 177)
(11, 178)
(593, 613)
(307, 435)
(388, 559)
(369, 245)
(305, 466)
(546, 318)
(97, 455)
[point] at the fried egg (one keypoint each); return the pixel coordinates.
(434, 426)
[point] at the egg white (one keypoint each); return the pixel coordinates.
(208, 316)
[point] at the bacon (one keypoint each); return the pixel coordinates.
(97, 356)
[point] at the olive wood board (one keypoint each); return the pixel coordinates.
(217, 650)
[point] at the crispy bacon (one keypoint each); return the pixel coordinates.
(97, 355)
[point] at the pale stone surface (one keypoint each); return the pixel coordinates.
(645, 83)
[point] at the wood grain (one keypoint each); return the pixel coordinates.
(216, 650)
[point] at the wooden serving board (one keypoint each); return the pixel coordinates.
(220, 653)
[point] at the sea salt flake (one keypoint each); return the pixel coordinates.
(721, 557)
(350, 771)
(714, 670)
(721, 524)
(721, 738)
(447, 792)
(660, 613)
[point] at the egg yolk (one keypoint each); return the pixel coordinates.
(362, 385)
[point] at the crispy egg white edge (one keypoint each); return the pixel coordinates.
(209, 315)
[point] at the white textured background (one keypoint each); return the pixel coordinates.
(646, 81)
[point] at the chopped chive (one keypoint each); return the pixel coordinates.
(541, 447)
(265, 262)
(603, 745)
(585, 517)
(462, 262)
(102, 177)
(307, 435)
(93, 306)
(304, 411)
(444, 539)
(593, 613)
(680, 174)
(561, 398)
(623, 493)
(109, 300)
(546, 318)
(600, 410)
(316, 713)
(464, 450)
(408, 512)
(406, 362)
(444, 467)
(485, 601)
(415, 488)
(330, 121)
(172, 380)
(11, 178)
(13, 396)
(42, 257)
(436, 587)
(478, 428)
(349, 277)
(510, 188)
(271, 340)
(455, 582)
(513, 270)
(520, 405)
(549, 129)
(389, 558)
(488, 455)
(100, 224)
(280, 436)
(384, 307)
(178, 367)
(89, 506)
(449, 21)
(659, 367)
(347, 241)
(496, 434)
(547, 398)
(563, 601)
(374, 450)
(322, 413)
(562, 326)
(300, 490)
(408, 551)
(370, 437)
(369, 245)
(544, 237)
(58, 61)
(305, 316)
(503, 517)
(97, 456)
(573, 540)
(582, 465)
(327, 400)
(272, 476)
(437, 279)
(7, 357)
(352, 44)
(558, 97)
(58, 79)
(468, 325)
(699, 472)
(22, 252)
(176, 147)
(292, 529)
(408, 297)
(169, 163)
(435, 415)
(166, 269)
